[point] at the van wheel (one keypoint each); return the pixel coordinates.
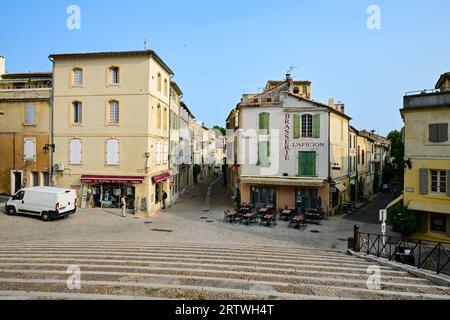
(45, 216)
(11, 211)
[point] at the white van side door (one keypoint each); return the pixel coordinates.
(17, 201)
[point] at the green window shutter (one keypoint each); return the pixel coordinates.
(448, 185)
(433, 132)
(307, 163)
(264, 122)
(263, 152)
(442, 132)
(316, 126)
(297, 126)
(423, 181)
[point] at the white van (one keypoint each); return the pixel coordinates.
(46, 202)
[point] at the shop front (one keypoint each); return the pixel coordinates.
(106, 191)
(161, 182)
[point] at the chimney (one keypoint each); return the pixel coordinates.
(331, 103)
(2, 65)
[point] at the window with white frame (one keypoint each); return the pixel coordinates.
(29, 149)
(75, 151)
(438, 181)
(114, 75)
(78, 76)
(114, 111)
(112, 152)
(30, 114)
(307, 126)
(77, 115)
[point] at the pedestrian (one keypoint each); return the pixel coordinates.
(164, 198)
(123, 201)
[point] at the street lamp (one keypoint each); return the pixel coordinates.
(47, 147)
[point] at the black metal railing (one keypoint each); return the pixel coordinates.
(429, 255)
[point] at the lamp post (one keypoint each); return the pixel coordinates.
(46, 149)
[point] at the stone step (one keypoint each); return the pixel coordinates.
(234, 286)
(260, 261)
(234, 250)
(189, 253)
(154, 290)
(204, 268)
(204, 262)
(227, 276)
(31, 295)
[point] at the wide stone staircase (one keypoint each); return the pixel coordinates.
(140, 270)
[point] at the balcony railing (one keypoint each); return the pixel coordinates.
(427, 98)
(257, 99)
(429, 255)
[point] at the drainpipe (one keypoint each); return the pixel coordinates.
(329, 161)
(52, 133)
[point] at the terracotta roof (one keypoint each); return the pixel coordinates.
(113, 54)
(320, 104)
(442, 78)
(26, 75)
(187, 109)
(176, 87)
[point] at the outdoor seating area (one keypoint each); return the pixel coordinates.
(267, 215)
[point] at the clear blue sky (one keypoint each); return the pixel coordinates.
(221, 49)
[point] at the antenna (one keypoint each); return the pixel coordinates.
(145, 44)
(291, 68)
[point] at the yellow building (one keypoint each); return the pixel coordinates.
(24, 129)
(426, 115)
(174, 137)
(111, 127)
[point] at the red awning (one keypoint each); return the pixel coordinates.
(112, 179)
(161, 177)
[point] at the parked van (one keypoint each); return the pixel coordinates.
(45, 202)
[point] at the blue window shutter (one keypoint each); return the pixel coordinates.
(423, 181)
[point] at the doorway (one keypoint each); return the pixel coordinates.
(17, 181)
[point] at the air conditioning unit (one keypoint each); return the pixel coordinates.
(59, 167)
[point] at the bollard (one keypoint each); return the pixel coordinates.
(356, 246)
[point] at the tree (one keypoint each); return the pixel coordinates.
(393, 172)
(222, 130)
(397, 148)
(403, 220)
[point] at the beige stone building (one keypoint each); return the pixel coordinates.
(111, 127)
(24, 129)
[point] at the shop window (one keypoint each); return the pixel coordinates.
(261, 196)
(438, 222)
(35, 177)
(112, 152)
(75, 151)
(438, 181)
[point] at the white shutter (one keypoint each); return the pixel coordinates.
(75, 151)
(30, 114)
(29, 149)
(165, 153)
(112, 152)
(158, 152)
